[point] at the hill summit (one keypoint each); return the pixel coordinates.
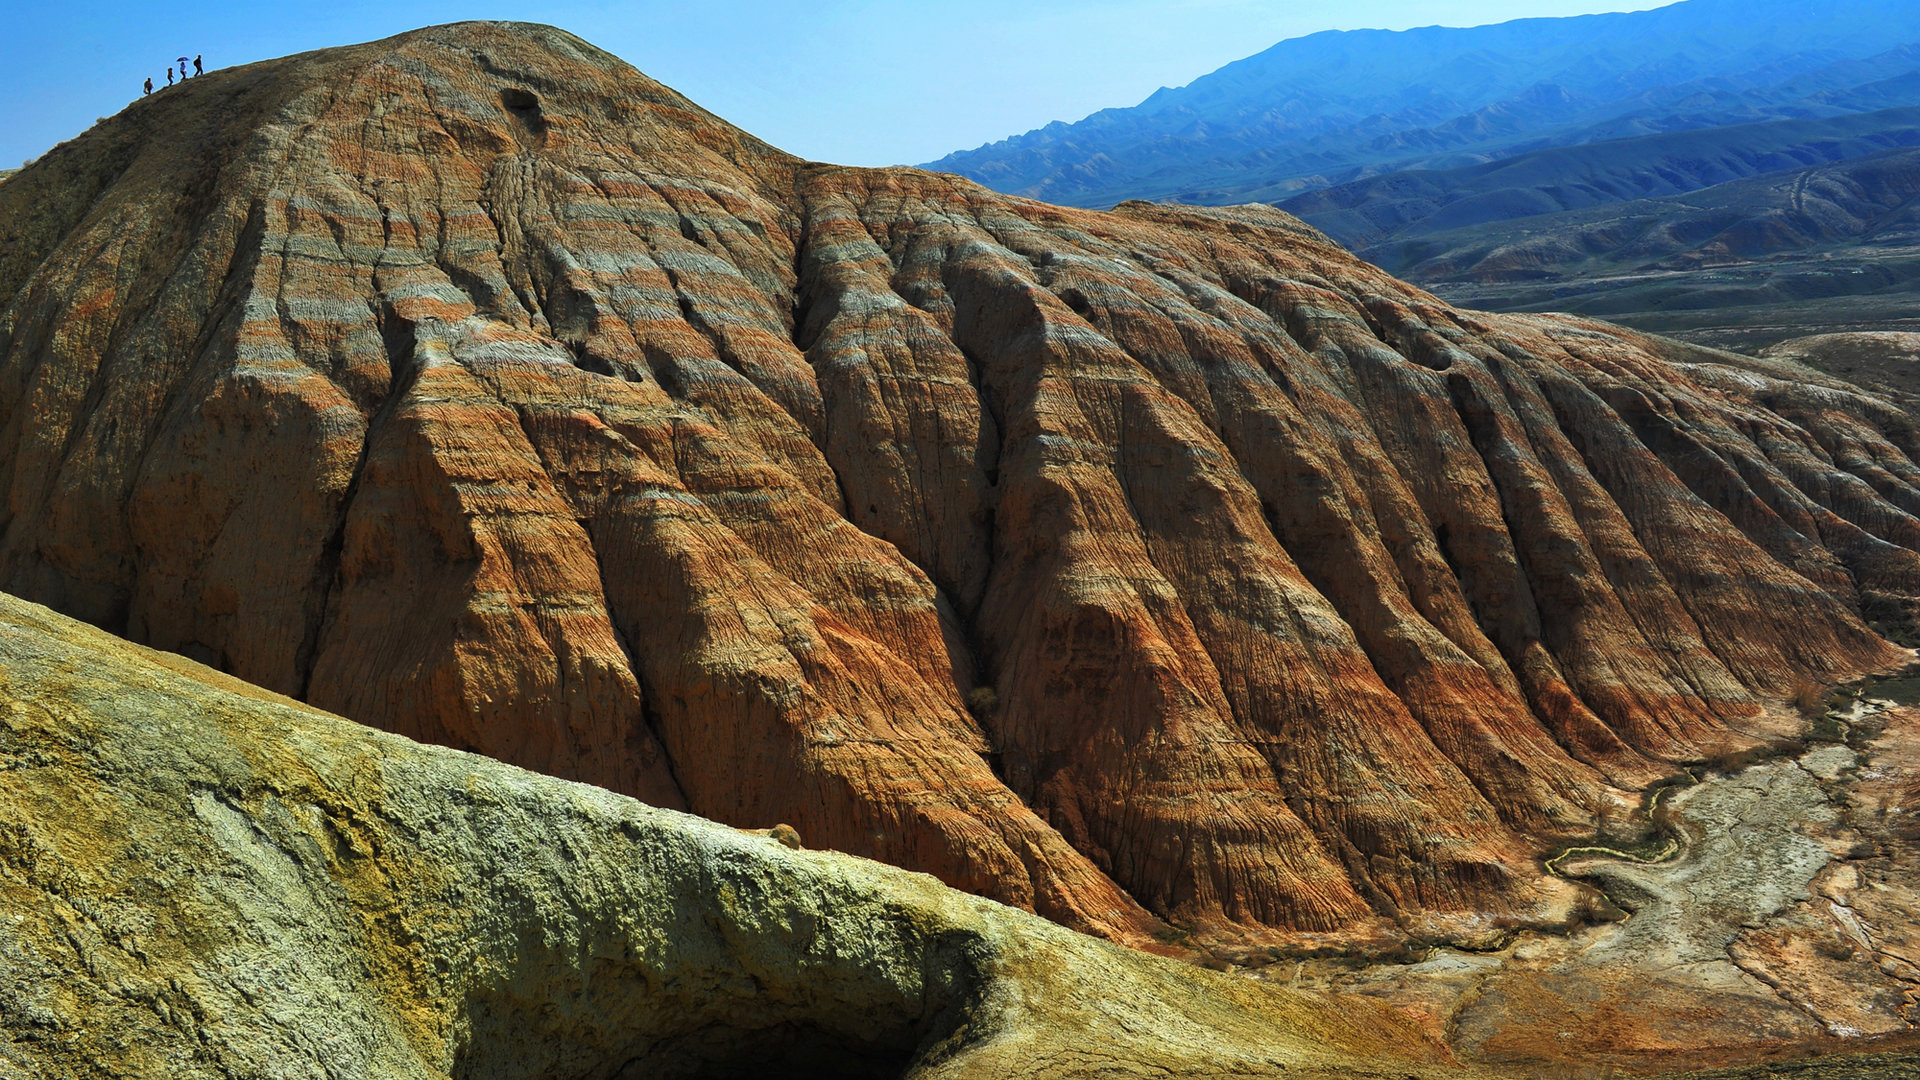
(1157, 565)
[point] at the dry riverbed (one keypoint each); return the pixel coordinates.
(1784, 921)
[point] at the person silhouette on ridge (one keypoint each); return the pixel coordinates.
(149, 85)
(169, 76)
(197, 69)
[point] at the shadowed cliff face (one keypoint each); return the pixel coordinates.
(1161, 563)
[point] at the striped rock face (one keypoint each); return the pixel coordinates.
(1154, 564)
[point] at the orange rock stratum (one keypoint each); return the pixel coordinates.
(1157, 564)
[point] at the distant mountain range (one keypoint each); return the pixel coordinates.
(1399, 208)
(1337, 107)
(1735, 173)
(1829, 249)
(1871, 199)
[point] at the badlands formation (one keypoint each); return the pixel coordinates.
(1166, 572)
(1160, 566)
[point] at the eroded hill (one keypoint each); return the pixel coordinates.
(1165, 564)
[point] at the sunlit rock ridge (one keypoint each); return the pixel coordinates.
(1162, 564)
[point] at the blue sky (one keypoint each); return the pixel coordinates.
(861, 82)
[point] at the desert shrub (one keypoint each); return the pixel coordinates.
(983, 702)
(1729, 762)
(1808, 699)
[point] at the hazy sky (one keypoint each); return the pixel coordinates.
(860, 82)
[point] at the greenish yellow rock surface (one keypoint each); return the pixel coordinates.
(202, 879)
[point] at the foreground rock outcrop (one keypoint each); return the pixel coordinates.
(1166, 564)
(200, 879)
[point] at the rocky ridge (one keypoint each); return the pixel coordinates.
(1162, 564)
(203, 880)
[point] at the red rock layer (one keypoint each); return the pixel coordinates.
(1165, 563)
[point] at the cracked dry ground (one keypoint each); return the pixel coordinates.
(1785, 930)
(1162, 566)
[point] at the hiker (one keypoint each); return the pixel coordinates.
(197, 69)
(149, 84)
(169, 76)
